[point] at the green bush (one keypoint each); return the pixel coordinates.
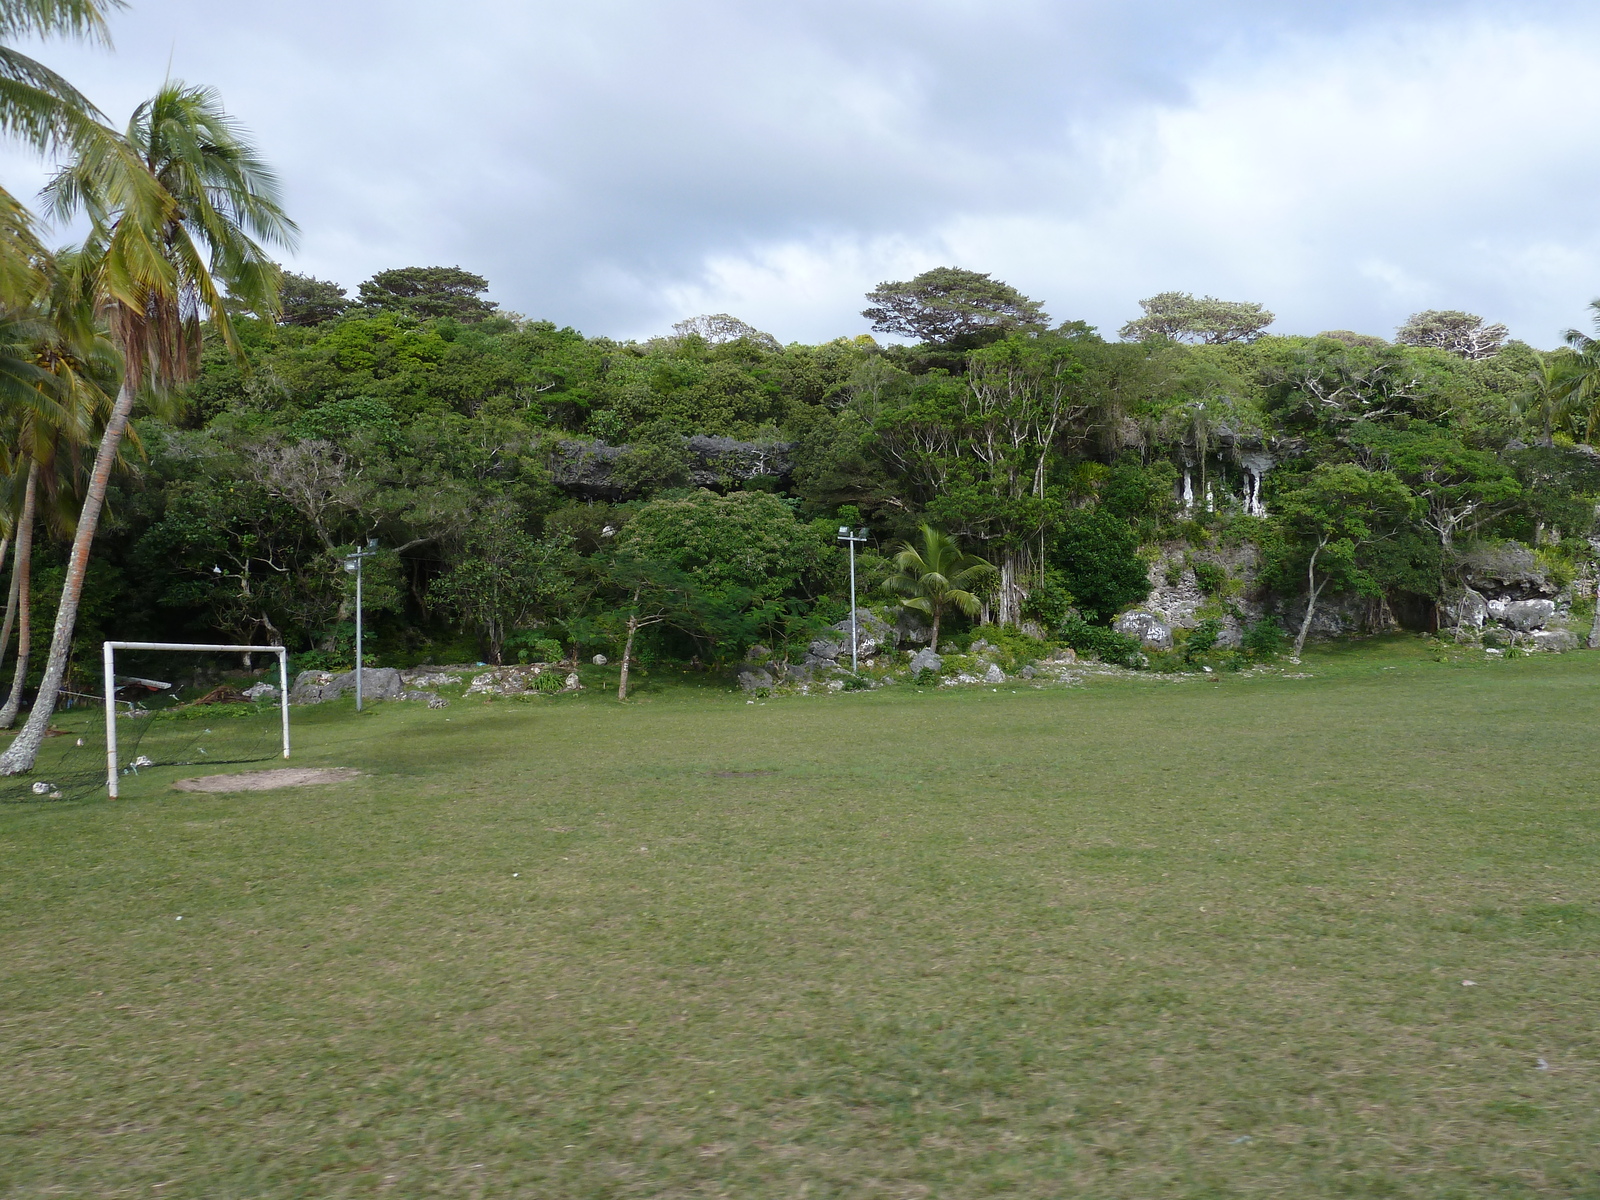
(1265, 638)
(1212, 577)
(1202, 639)
(1098, 558)
(1104, 643)
(926, 677)
(855, 683)
(548, 683)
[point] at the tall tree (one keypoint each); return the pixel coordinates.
(1179, 317)
(951, 306)
(306, 300)
(1327, 519)
(175, 210)
(1458, 332)
(429, 292)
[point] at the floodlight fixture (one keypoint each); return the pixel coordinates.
(853, 538)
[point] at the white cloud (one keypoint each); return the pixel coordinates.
(619, 165)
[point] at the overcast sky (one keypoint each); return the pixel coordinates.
(619, 165)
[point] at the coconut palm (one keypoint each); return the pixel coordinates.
(937, 576)
(1578, 392)
(178, 209)
(76, 364)
(1548, 395)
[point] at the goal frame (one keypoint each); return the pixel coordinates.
(109, 652)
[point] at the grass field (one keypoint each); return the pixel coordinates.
(1131, 939)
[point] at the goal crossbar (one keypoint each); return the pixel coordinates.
(109, 650)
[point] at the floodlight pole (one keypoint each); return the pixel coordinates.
(846, 534)
(353, 563)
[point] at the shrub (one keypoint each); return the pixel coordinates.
(1212, 577)
(926, 677)
(1264, 638)
(1104, 643)
(1098, 557)
(1202, 639)
(548, 683)
(855, 683)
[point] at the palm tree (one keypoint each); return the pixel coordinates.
(74, 360)
(41, 109)
(176, 208)
(937, 576)
(1548, 395)
(1579, 389)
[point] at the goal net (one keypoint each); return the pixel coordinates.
(102, 743)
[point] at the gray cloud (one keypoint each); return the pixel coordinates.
(617, 164)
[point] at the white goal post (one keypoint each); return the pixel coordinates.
(109, 650)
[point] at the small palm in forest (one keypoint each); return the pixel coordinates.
(936, 575)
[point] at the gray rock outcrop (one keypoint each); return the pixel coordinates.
(926, 660)
(316, 687)
(1523, 614)
(752, 680)
(1150, 629)
(589, 468)
(1558, 641)
(872, 633)
(994, 674)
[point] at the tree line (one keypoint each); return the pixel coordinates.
(196, 438)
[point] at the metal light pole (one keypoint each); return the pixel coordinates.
(846, 534)
(353, 563)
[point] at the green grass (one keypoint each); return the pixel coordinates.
(1137, 939)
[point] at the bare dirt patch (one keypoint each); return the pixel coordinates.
(266, 781)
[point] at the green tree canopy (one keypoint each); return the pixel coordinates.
(1179, 317)
(305, 300)
(949, 306)
(1461, 333)
(429, 292)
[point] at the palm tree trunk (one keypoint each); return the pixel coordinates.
(24, 748)
(11, 603)
(23, 591)
(934, 644)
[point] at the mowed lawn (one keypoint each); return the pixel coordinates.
(1133, 939)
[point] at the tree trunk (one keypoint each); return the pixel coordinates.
(1311, 603)
(23, 578)
(627, 654)
(1594, 629)
(934, 644)
(11, 603)
(24, 748)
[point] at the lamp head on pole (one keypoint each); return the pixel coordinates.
(349, 564)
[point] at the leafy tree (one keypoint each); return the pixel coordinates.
(305, 300)
(1179, 317)
(937, 576)
(429, 292)
(1462, 489)
(718, 329)
(1326, 518)
(950, 306)
(502, 578)
(174, 207)
(745, 540)
(1460, 333)
(1097, 554)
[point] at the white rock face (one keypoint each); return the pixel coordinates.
(1150, 629)
(599, 660)
(994, 674)
(1524, 614)
(926, 660)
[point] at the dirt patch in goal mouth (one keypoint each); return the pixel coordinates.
(266, 781)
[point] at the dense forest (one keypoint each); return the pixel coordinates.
(527, 484)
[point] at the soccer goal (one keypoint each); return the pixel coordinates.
(110, 649)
